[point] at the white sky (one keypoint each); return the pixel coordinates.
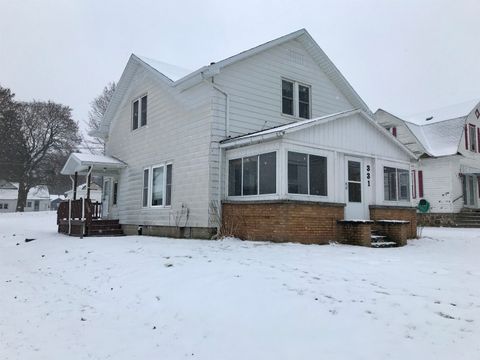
(402, 55)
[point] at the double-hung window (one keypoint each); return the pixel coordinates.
(396, 183)
(253, 175)
(472, 137)
(307, 174)
(296, 99)
(157, 186)
(139, 112)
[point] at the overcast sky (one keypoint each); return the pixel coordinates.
(402, 55)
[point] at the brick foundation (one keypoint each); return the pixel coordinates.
(171, 231)
(282, 220)
(409, 214)
(397, 232)
(354, 232)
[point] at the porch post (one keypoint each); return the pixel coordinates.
(89, 179)
(75, 185)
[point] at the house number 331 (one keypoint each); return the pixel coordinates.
(368, 175)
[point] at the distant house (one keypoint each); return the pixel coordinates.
(447, 175)
(271, 144)
(95, 192)
(55, 200)
(38, 198)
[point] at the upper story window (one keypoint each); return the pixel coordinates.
(139, 112)
(472, 137)
(296, 99)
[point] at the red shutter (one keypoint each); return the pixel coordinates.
(478, 183)
(478, 140)
(420, 183)
(466, 136)
(394, 131)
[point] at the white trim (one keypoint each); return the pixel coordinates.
(139, 124)
(150, 169)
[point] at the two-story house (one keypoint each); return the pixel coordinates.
(272, 143)
(447, 142)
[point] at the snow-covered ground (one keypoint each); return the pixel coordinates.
(157, 298)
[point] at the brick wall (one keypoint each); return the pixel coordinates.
(396, 213)
(354, 233)
(282, 221)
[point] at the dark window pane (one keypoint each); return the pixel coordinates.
(157, 186)
(235, 177)
(144, 111)
(135, 115)
(318, 175)
(168, 193)
(145, 187)
(297, 173)
(268, 173)
(354, 171)
(115, 193)
(354, 192)
(390, 183)
(287, 97)
(250, 175)
(303, 101)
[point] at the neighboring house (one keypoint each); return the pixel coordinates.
(95, 192)
(38, 198)
(447, 141)
(55, 200)
(272, 143)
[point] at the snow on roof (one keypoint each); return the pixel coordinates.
(444, 113)
(80, 162)
(173, 72)
(440, 138)
(284, 128)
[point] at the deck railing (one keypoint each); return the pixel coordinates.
(75, 216)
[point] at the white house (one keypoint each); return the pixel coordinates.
(447, 141)
(38, 198)
(276, 128)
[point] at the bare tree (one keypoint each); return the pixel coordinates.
(98, 108)
(46, 135)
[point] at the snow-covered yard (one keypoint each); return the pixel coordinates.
(157, 298)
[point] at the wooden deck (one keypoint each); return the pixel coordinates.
(82, 217)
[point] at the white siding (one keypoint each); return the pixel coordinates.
(353, 135)
(178, 130)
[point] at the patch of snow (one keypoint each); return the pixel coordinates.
(140, 297)
(444, 113)
(172, 72)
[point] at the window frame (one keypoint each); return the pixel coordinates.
(398, 170)
(296, 98)
(308, 174)
(472, 137)
(139, 119)
(258, 193)
(165, 166)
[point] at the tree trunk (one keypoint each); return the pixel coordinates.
(22, 196)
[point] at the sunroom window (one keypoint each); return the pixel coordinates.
(307, 174)
(396, 184)
(253, 175)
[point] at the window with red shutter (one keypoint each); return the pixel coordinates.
(394, 131)
(414, 184)
(466, 137)
(420, 183)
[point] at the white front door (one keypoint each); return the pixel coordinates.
(354, 191)
(469, 193)
(106, 197)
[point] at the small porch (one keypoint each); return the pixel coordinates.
(82, 216)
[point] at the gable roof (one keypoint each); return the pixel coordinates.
(448, 112)
(279, 131)
(442, 133)
(79, 163)
(174, 76)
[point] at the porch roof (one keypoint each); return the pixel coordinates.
(79, 163)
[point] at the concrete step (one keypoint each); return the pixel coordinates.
(383, 244)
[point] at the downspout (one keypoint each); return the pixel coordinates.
(227, 124)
